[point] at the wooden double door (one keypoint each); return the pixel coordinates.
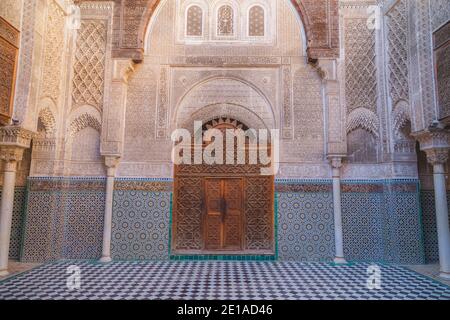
(223, 214)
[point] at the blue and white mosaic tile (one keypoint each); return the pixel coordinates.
(64, 219)
(362, 226)
(429, 225)
(305, 226)
(141, 224)
(83, 225)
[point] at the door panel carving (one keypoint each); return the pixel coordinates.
(213, 217)
(233, 211)
(187, 221)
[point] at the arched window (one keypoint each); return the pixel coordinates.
(194, 22)
(225, 21)
(256, 22)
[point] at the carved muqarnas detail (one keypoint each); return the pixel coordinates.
(401, 116)
(89, 67)
(363, 118)
(84, 121)
(46, 122)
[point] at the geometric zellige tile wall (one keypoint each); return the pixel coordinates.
(141, 224)
(362, 226)
(17, 222)
(429, 225)
(64, 219)
(84, 220)
(381, 221)
(305, 226)
(405, 228)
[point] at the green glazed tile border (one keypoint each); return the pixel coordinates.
(223, 258)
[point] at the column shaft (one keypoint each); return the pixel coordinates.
(6, 211)
(442, 219)
(337, 212)
(107, 230)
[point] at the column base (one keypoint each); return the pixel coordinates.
(444, 275)
(339, 260)
(4, 273)
(105, 259)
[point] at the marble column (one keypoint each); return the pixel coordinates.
(336, 164)
(10, 156)
(438, 158)
(111, 164)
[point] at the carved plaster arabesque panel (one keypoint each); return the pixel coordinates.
(440, 13)
(287, 102)
(53, 53)
(11, 11)
(24, 74)
(140, 119)
(308, 113)
(421, 66)
(163, 102)
(360, 63)
(89, 66)
(9, 45)
(398, 61)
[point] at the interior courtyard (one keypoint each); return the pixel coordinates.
(97, 98)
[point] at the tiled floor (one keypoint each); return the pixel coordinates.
(218, 280)
(429, 270)
(15, 267)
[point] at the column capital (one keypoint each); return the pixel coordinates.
(10, 155)
(16, 136)
(433, 138)
(435, 142)
(336, 161)
(122, 69)
(437, 156)
(111, 163)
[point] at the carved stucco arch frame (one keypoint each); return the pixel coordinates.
(256, 121)
(219, 110)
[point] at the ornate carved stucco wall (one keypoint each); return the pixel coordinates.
(378, 77)
(440, 13)
(133, 16)
(265, 85)
(11, 11)
(73, 92)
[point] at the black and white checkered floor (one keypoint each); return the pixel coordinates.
(219, 281)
